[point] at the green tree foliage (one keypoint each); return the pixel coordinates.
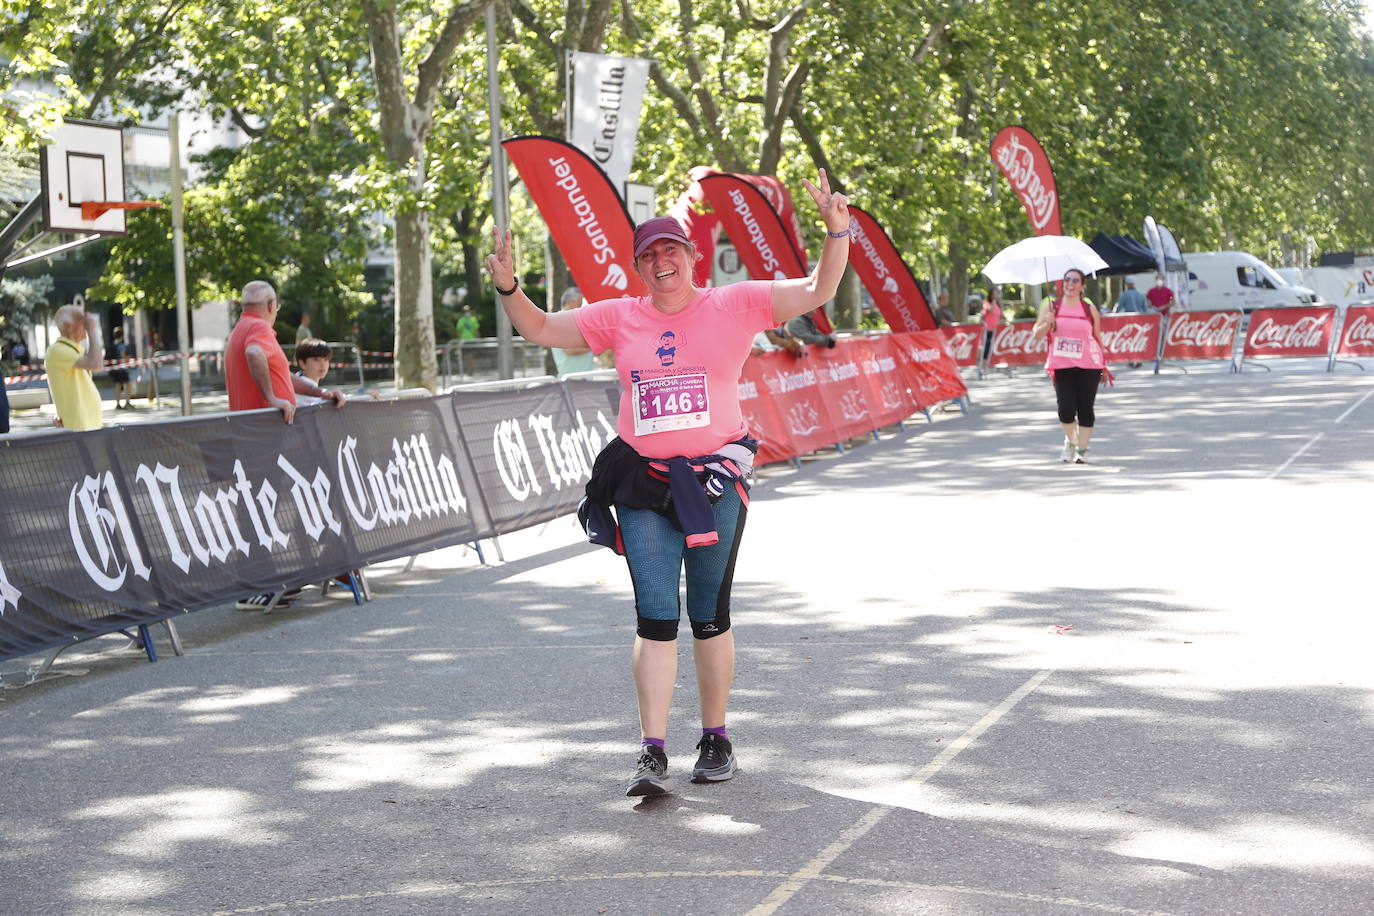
(1238, 123)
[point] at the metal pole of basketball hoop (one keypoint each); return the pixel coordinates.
(179, 263)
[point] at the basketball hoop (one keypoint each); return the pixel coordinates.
(94, 209)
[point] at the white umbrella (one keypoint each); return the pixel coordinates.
(1042, 259)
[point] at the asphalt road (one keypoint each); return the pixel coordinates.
(917, 733)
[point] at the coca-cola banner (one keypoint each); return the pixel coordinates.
(1013, 344)
(584, 213)
(1357, 334)
(1201, 335)
(1021, 158)
(964, 342)
(885, 274)
(1130, 337)
(1302, 331)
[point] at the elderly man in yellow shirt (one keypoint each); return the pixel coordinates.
(69, 369)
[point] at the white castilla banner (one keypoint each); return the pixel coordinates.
(606, 95)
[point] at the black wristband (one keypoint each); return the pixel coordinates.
(507, 292)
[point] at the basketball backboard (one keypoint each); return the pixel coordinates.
(83, 164)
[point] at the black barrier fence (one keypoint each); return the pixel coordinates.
(131, 525)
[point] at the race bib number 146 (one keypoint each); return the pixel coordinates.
(671, 402)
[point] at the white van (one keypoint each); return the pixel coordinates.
(1235, 279)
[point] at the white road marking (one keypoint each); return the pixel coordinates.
(1295, 456)
(812, 870)
(1351, 409)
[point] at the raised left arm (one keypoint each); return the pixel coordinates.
(798, 296)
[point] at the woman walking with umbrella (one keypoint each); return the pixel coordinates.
(1076, 362)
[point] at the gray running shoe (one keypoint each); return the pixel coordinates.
(717, 760)
(651, 773)
(1067, 454)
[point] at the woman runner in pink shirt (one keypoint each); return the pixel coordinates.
(1075, 362)
(679, 352)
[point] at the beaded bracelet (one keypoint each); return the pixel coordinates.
(507, 292)
(843, 233)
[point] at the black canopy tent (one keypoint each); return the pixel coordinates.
(1123, 254)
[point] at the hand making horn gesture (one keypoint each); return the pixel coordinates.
(834, 206)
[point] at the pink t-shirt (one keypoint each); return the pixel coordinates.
(992, 315)
(1072, 345)
(679, 374)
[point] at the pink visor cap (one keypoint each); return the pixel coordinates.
(660, 227)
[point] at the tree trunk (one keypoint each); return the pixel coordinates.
(848, 300)
(416, 366)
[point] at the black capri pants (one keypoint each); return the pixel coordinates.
(1075, 390)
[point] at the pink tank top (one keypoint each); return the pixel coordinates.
(1072, 344)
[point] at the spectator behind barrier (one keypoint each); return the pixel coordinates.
(804, 328)
(69, 367)
(577, 359)
(257, 375)
(943, 316)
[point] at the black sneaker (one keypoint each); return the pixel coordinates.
(717, 760)
(651, 773)
(260, 602)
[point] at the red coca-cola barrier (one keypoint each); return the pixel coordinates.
(965, 342)
(1131, 337)
(1289, 332)
(1357, 334)
(1014, 345)
(794, 406)
(1201, 335)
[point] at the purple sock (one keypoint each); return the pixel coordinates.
(656, 742)
(719, 732)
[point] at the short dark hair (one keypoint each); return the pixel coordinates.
(312, 347)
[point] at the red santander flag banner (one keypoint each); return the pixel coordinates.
(888, 280)
(929, 367)
(780, 199)
(760, 238)
(844, 385)
(584, 213)
(1290, 331)
(753, 225)
(1130, 337)
(1357, 334)
(964, 342)
(701, 224)
(1022, 159)
(1013, 344)
(1201, 335)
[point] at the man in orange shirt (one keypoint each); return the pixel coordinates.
(257, 375)
(255, 368)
